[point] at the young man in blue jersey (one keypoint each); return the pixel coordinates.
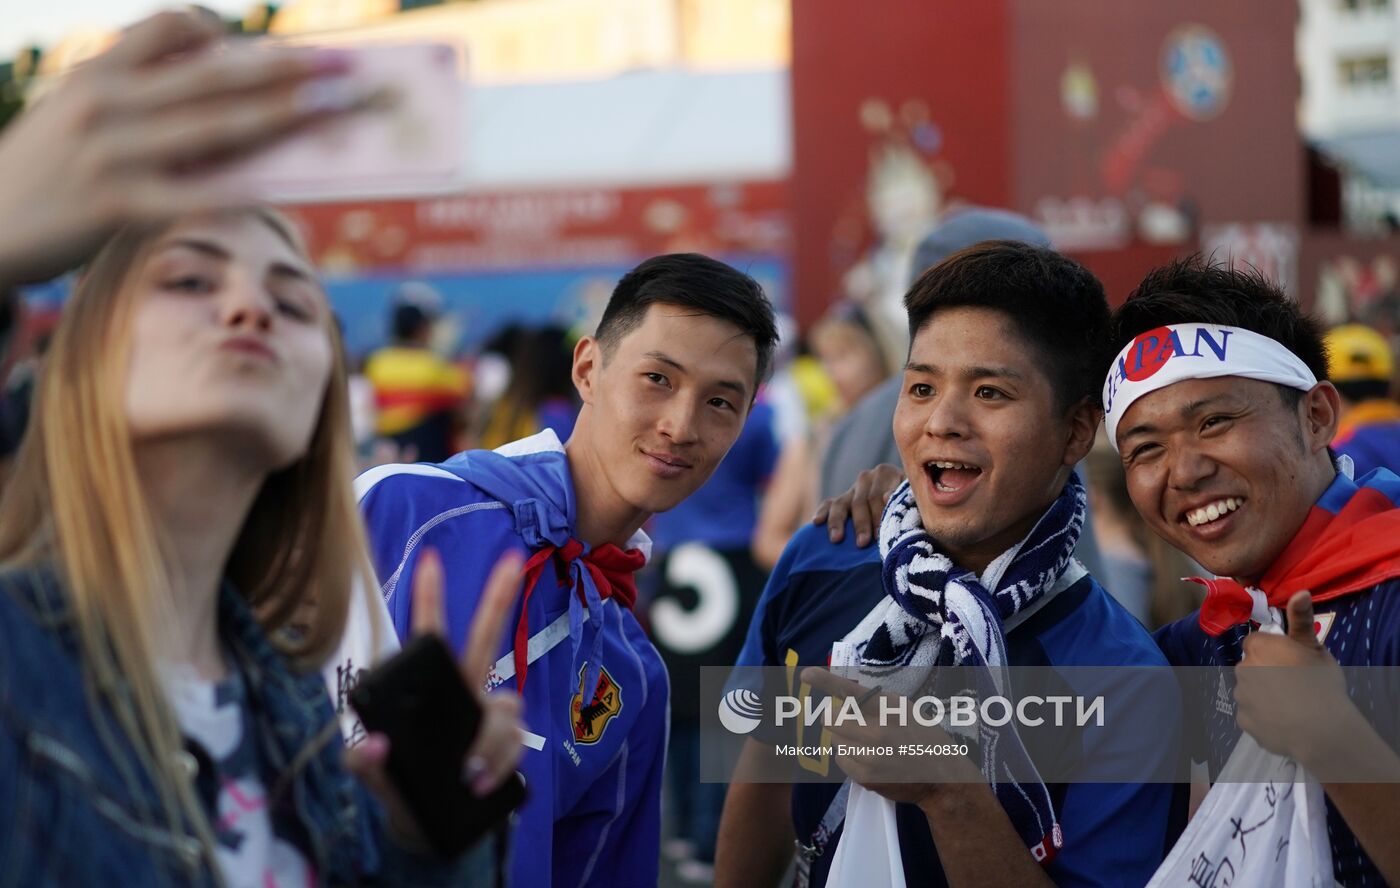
(1214, 401)
(999, 401)
(666, 383)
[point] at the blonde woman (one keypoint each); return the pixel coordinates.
(184, 487)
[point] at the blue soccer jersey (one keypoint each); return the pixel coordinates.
(1114, 833)
(1361, 629)
(594, 766)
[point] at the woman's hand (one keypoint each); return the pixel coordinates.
(497, 748)
(119, 139)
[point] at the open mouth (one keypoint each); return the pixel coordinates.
(951, 477)
(1204, 516)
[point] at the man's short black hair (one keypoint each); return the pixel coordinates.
(410, 322)
(1196, 290)
(697, 282)
(1054, 303)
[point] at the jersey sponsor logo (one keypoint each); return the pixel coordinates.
(590, 721)
(1224, 700)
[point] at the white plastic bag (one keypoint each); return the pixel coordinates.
(1269, 831)
(868, 853)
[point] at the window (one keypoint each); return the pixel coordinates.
(1365, 72)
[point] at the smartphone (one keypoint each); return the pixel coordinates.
(407, 139)
(419, 700)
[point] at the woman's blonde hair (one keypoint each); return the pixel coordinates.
(75, 502)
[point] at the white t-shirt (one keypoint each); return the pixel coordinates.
(369, 638)
(215, 715)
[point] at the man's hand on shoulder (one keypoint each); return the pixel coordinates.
(864, 503)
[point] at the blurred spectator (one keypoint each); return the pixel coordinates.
(790, 390)
(846, 344)
(1360, 364)
(817, 392)
(363, 412)
(491, 372)
(540, 394)
(853, 360)
(421, 398)
(704, 587)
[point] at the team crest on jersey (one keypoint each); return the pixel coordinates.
(590, 721)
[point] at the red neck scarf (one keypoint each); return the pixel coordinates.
(611, 569)
(1333, 554)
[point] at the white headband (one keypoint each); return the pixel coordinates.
(1167, 355)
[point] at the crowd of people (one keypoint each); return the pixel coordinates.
(213, 521)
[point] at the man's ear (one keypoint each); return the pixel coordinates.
(588, 359)
(1084, 420)
(1322, 412)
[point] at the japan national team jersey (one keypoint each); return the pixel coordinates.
(1361, 629)
(1115, 834)
(593, 765)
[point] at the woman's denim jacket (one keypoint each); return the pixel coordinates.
(78, 808)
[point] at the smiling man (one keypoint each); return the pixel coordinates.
(999, 401)
(1214, 402)
(666, 383)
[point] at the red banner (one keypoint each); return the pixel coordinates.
(560, 227)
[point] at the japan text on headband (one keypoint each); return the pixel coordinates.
(1167, 355)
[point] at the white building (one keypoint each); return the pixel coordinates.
(1349, 58)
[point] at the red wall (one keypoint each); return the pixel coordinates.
(1004, 85)
(1238, 161)
(948, 57)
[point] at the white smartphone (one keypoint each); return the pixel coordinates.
(408, 140)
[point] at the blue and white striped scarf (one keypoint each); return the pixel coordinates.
(936, 613)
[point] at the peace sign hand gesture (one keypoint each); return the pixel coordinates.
(497, 748)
